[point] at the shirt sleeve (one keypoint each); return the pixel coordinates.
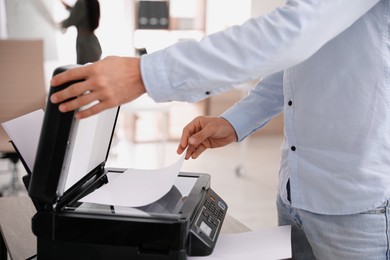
(191, 71)
(264, 101)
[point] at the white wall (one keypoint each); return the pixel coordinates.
(3, 21)
(32, 20)
(221, 14)
(116, 28)
(260, 7)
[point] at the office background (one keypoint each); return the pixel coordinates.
(244, 174)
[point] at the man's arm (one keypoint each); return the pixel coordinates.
(191, 71)
(264, 102)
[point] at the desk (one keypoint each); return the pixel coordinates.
(18, 240)
(15, 226)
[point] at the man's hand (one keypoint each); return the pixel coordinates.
(111, 82)
(205, 132)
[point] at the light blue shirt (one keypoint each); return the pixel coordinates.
(326, 65)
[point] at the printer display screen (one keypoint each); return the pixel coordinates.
(168, 206)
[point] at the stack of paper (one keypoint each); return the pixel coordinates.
(262, 244)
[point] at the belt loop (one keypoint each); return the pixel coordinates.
(288, 190)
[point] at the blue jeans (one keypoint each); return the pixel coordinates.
(332, 237)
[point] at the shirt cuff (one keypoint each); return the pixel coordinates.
(237, 121)
(155, 77)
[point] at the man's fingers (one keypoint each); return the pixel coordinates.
(93, 110)
(74, 90)
(184, 140)
(194, 152)
(188, 155)
(188, 130)
(180, 149)
(78, 102)
(198, 151)
(78, 73)
(202, 135)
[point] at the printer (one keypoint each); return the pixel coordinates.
(184, 222)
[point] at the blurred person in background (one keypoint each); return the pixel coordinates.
(85, 15)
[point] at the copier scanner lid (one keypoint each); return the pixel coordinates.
(69, 149)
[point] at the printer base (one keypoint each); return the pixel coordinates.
(49, 249)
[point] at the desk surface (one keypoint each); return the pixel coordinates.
(15, 226)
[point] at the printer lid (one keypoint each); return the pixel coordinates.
(69, 149)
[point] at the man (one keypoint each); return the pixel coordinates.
(326, 65)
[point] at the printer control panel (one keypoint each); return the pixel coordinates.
(211, 217)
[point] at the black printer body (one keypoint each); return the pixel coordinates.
(186, 221)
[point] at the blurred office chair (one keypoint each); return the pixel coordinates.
(22, 91)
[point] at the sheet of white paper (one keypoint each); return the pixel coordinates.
(269, 243)
(136, 187)
(24, 131)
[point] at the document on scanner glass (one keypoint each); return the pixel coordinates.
(137, 187)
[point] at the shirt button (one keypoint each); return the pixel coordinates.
(289, 103)
(293, 148)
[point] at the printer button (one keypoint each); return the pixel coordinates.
(221, 205)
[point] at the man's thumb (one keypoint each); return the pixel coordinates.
(196, 139)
